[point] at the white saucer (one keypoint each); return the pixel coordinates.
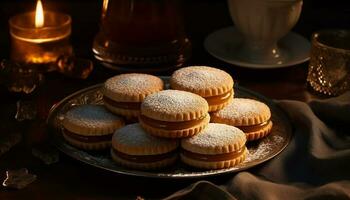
(223, 44)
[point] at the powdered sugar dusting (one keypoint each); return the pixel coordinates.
(172, 103)
(244, 108)
(134, 136)
(133, 84)
(201, 78)
(265, 147)
(277, 139)
(261, 152)
(93, 116)
(214, 136)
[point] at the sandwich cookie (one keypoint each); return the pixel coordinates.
(133, 147)
(174, 114)
(90, 127)
(123, 94)
(215, 85)
(251, 116)
(216, 147)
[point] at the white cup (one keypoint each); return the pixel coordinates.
(262, 24)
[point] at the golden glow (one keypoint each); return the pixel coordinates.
(41, 40)
(41, 58)
(104, 8)
(39, 15)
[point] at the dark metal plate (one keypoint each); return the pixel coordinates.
(259, 151)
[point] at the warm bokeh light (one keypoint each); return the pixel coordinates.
(39, 15)
(104, 8)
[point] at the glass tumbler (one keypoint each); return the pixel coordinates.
(329, 67)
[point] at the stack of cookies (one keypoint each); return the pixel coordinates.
(171, 123)
(216, 86)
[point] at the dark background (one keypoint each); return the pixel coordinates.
(201, 18)
(70, 179)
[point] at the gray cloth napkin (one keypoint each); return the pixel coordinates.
(315, 165)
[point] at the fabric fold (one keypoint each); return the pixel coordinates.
(315, 165)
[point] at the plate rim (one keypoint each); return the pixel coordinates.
(148, 174)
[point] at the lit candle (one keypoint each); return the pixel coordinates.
(40, 37)
(39, 15)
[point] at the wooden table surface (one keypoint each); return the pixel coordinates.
(70, 179)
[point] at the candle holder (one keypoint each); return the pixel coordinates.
(40, 45)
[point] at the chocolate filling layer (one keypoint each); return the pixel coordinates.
(124, 105)
(88, 139)
(253, 128)
(144, 158)
(212, 157)
(219, 99)
(171, 125)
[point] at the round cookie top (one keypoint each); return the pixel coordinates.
(215, 139)
(202, 80)
(133, 140)
(174, 105)
(91, 120)
(243, 112)
(131, 87)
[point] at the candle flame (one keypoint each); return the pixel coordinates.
(39, 15)
(104, 8)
